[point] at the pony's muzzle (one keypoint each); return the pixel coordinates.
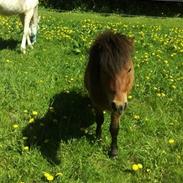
(118, 107)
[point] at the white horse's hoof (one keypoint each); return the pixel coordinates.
(31, 46)
(23, 50)
(33, 42)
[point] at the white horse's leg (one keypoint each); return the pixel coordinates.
(28, 39)
(26, 34)
(22, 17)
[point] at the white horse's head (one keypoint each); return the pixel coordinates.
(34, 29)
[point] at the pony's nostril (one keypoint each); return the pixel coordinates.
(117, 108)
(120, 108)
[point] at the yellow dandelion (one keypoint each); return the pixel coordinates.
(140, 165)
(35, 113)
(129, 97)
(48, 176)
(31, 120)
(15, 126)
(26, 148)
(135, 167)
(137, 117)
(171, 141)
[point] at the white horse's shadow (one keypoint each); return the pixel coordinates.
(10, 44)
(28, 12)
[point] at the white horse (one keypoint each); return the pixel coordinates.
(28, 11)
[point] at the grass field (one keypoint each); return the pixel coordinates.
(47, 125)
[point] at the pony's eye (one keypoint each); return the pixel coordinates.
(129, 69)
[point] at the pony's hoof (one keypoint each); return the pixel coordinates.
(23, 50)
(113, 153)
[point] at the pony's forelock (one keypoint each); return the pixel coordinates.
(109, 52)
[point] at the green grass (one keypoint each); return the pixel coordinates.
(49, 80)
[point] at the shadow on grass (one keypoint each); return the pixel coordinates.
(66, 115)
(8, 44)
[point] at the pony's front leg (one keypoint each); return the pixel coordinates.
(99, 121)
(26, 34)
(114, 129)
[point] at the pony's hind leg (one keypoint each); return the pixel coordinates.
(99, 121)
(114, 129)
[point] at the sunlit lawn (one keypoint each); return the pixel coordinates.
(47, 125)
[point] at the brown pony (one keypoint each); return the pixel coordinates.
(108, 78)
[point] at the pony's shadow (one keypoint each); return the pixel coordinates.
(10, 44)
(67, 114)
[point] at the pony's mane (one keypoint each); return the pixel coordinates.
(109, 52)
